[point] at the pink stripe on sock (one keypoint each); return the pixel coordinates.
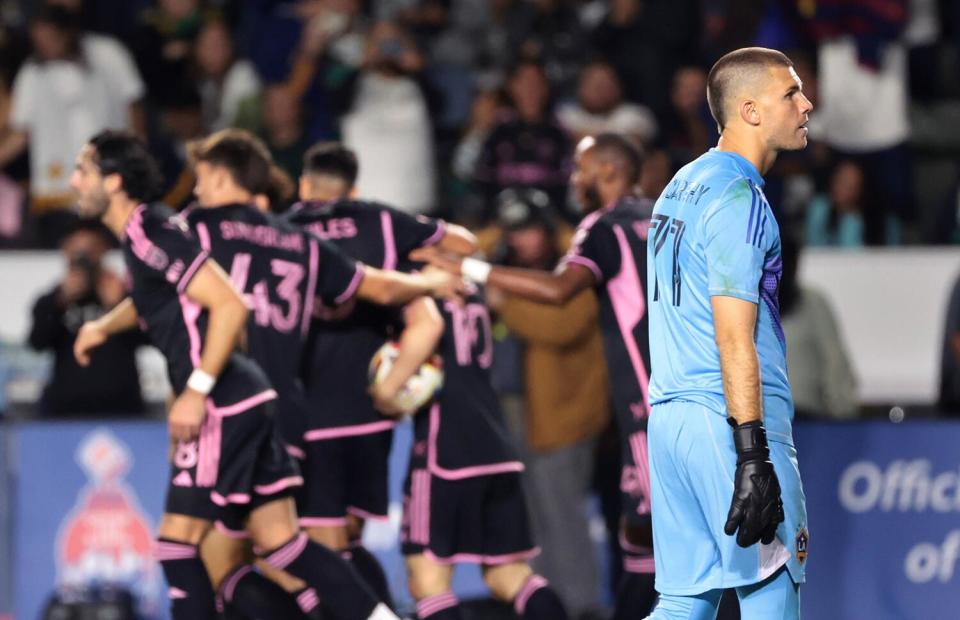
(231, 583)
(286, 554)
(296, 452)
(433, 604)
(533, 583)
(164, 550)
(308, 600)
(175, 593)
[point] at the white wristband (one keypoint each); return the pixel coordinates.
(477, 271)
(201, 382)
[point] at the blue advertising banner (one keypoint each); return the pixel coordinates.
(87, 501)
(883, 501)
(884, 509)
(88, 497)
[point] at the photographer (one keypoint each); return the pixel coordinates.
(110, 384)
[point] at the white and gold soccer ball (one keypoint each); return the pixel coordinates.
(419, 388)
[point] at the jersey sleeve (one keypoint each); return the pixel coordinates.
(338, 275)
(731, 233)
(164, 247)
(596, 249)
(412, 232)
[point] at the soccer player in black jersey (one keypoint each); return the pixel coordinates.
(280, 269)
(476, 511)
(349, 438)
(609, 253)
(227, 457)
(464, 500)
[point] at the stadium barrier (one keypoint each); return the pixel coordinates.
(883, 501)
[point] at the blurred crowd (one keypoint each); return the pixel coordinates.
(469, 110)
(449, 102)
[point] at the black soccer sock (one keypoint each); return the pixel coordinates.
(636, 596)
(191, 595)
(372, 572)
(258, 598)
(536, 600)
(343, 591)
(440, 607)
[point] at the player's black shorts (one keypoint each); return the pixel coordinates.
(345, 476)
(481, 519)
(237, 464)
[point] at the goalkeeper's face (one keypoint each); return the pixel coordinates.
(88, 183)
(785, 110)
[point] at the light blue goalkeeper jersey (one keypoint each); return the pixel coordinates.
(713, 233)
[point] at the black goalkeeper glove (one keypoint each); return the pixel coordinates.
(756, 509)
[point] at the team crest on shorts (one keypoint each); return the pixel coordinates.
(802, 540)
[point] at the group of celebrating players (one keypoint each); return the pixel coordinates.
(279, 453)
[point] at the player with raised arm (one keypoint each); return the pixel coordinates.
(719, 360)
(280, 270)
(609, 254)
(349, 437)
(226, 457)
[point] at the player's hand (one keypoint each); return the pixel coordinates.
(90, 336)
(443, 260)
(186, 415)
(444, 284)
(756, 508)
(383, 400)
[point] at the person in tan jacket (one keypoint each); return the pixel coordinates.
(563, 403)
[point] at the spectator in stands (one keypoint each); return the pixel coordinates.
(488, 106)
(283, 128)
(386, 121)
(647, 41)
(550, 31)
(227, 84)
(110, 384)
(864, 105)
(163, 40)
(564, 404)
(837, 219)
(600, 108)
(689, 127)
(527, 149)
(819, 369)
(72, 87)
(181, 121)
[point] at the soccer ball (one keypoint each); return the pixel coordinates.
(419, 388)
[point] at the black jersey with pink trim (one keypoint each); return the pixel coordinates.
(463, 433)
(612, 244)
(339, 354)
(280, 270)
(162, 258)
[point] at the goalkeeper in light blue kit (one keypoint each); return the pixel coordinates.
(728, 506)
